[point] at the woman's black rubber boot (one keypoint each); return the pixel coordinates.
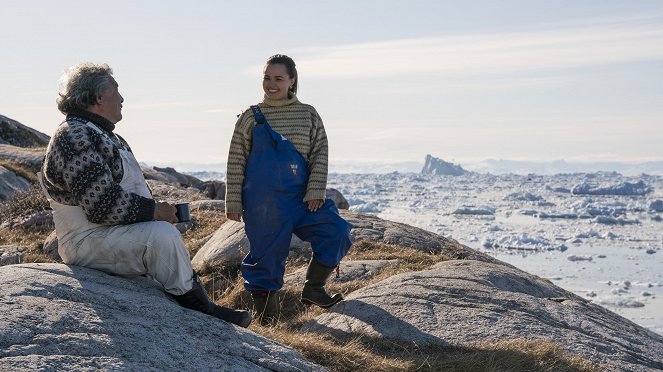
(266, 306)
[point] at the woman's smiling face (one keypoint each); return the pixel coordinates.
(276, 82)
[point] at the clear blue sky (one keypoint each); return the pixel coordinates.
(393, 80)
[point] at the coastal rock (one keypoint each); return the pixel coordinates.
(37, 221)
(16, 134)
(208, 205)
(465, 302)
(11, 254)
(439, 167)
(58, 317)
(337, 197)
(229, 245)
(215, 190)
(348, 271)
(171, 176)
(374, 229)
(11, 183)
(27, 157)
(50, 246)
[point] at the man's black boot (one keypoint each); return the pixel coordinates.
(196, 299)
(266, 306)
(314, 287)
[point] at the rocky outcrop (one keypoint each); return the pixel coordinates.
(58, 317)
(229, 243)
(10, 183)
(28, 157)
(11, 254)
(170, 175)
(374, 229)
(465, 302)
(338, 198)
(438, 167)
(16, 134)
(215, 190)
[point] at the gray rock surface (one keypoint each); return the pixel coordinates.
(14, 133)
(338, 198)
(11, 183)
(37, 221)
(58, 317)
(170, 175)
(11, 254)
(374, 229)
(348, 271)
(465, 302)
(50, 246)
(230, 244)
(29, 157)
(215, 190)
(208, 205)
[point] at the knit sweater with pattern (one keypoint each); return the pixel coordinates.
(83, 167)
(296, 121)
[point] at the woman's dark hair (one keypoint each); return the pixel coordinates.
(81, 85)
(289, 66)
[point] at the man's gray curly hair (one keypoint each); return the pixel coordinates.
(81, 85)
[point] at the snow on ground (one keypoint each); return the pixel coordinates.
(599, 235)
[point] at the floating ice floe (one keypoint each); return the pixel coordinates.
(559, 189)
(365, 208)
(470, 210)
(620, 302)
(573, 257)
(570, 216)
(656, 206)
(523, 196)
(626, 188)
(615, 221)
(522, 241)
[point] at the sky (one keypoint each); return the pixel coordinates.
(393, 81)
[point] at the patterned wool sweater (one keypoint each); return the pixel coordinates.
(296, 121)
(83, 167)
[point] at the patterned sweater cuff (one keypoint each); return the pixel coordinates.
(146, 208)
(315, 194)
(234, 207)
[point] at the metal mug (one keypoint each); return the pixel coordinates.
(182, 212)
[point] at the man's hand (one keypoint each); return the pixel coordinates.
(235, 217)
(165, 212)
(315, 204)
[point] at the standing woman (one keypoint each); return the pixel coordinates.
(276, 181)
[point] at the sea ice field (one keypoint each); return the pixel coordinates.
(599, 235)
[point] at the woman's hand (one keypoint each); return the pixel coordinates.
(235, 217)
(315, 204)
(164, 212)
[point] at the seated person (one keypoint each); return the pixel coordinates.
(105, 216)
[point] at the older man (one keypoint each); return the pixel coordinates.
(104, 213)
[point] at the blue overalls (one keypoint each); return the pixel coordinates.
(273, 191)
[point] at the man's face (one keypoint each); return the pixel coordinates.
(110, 102)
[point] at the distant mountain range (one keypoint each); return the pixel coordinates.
(214, 171)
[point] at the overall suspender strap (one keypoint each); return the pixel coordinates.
(257, 113)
